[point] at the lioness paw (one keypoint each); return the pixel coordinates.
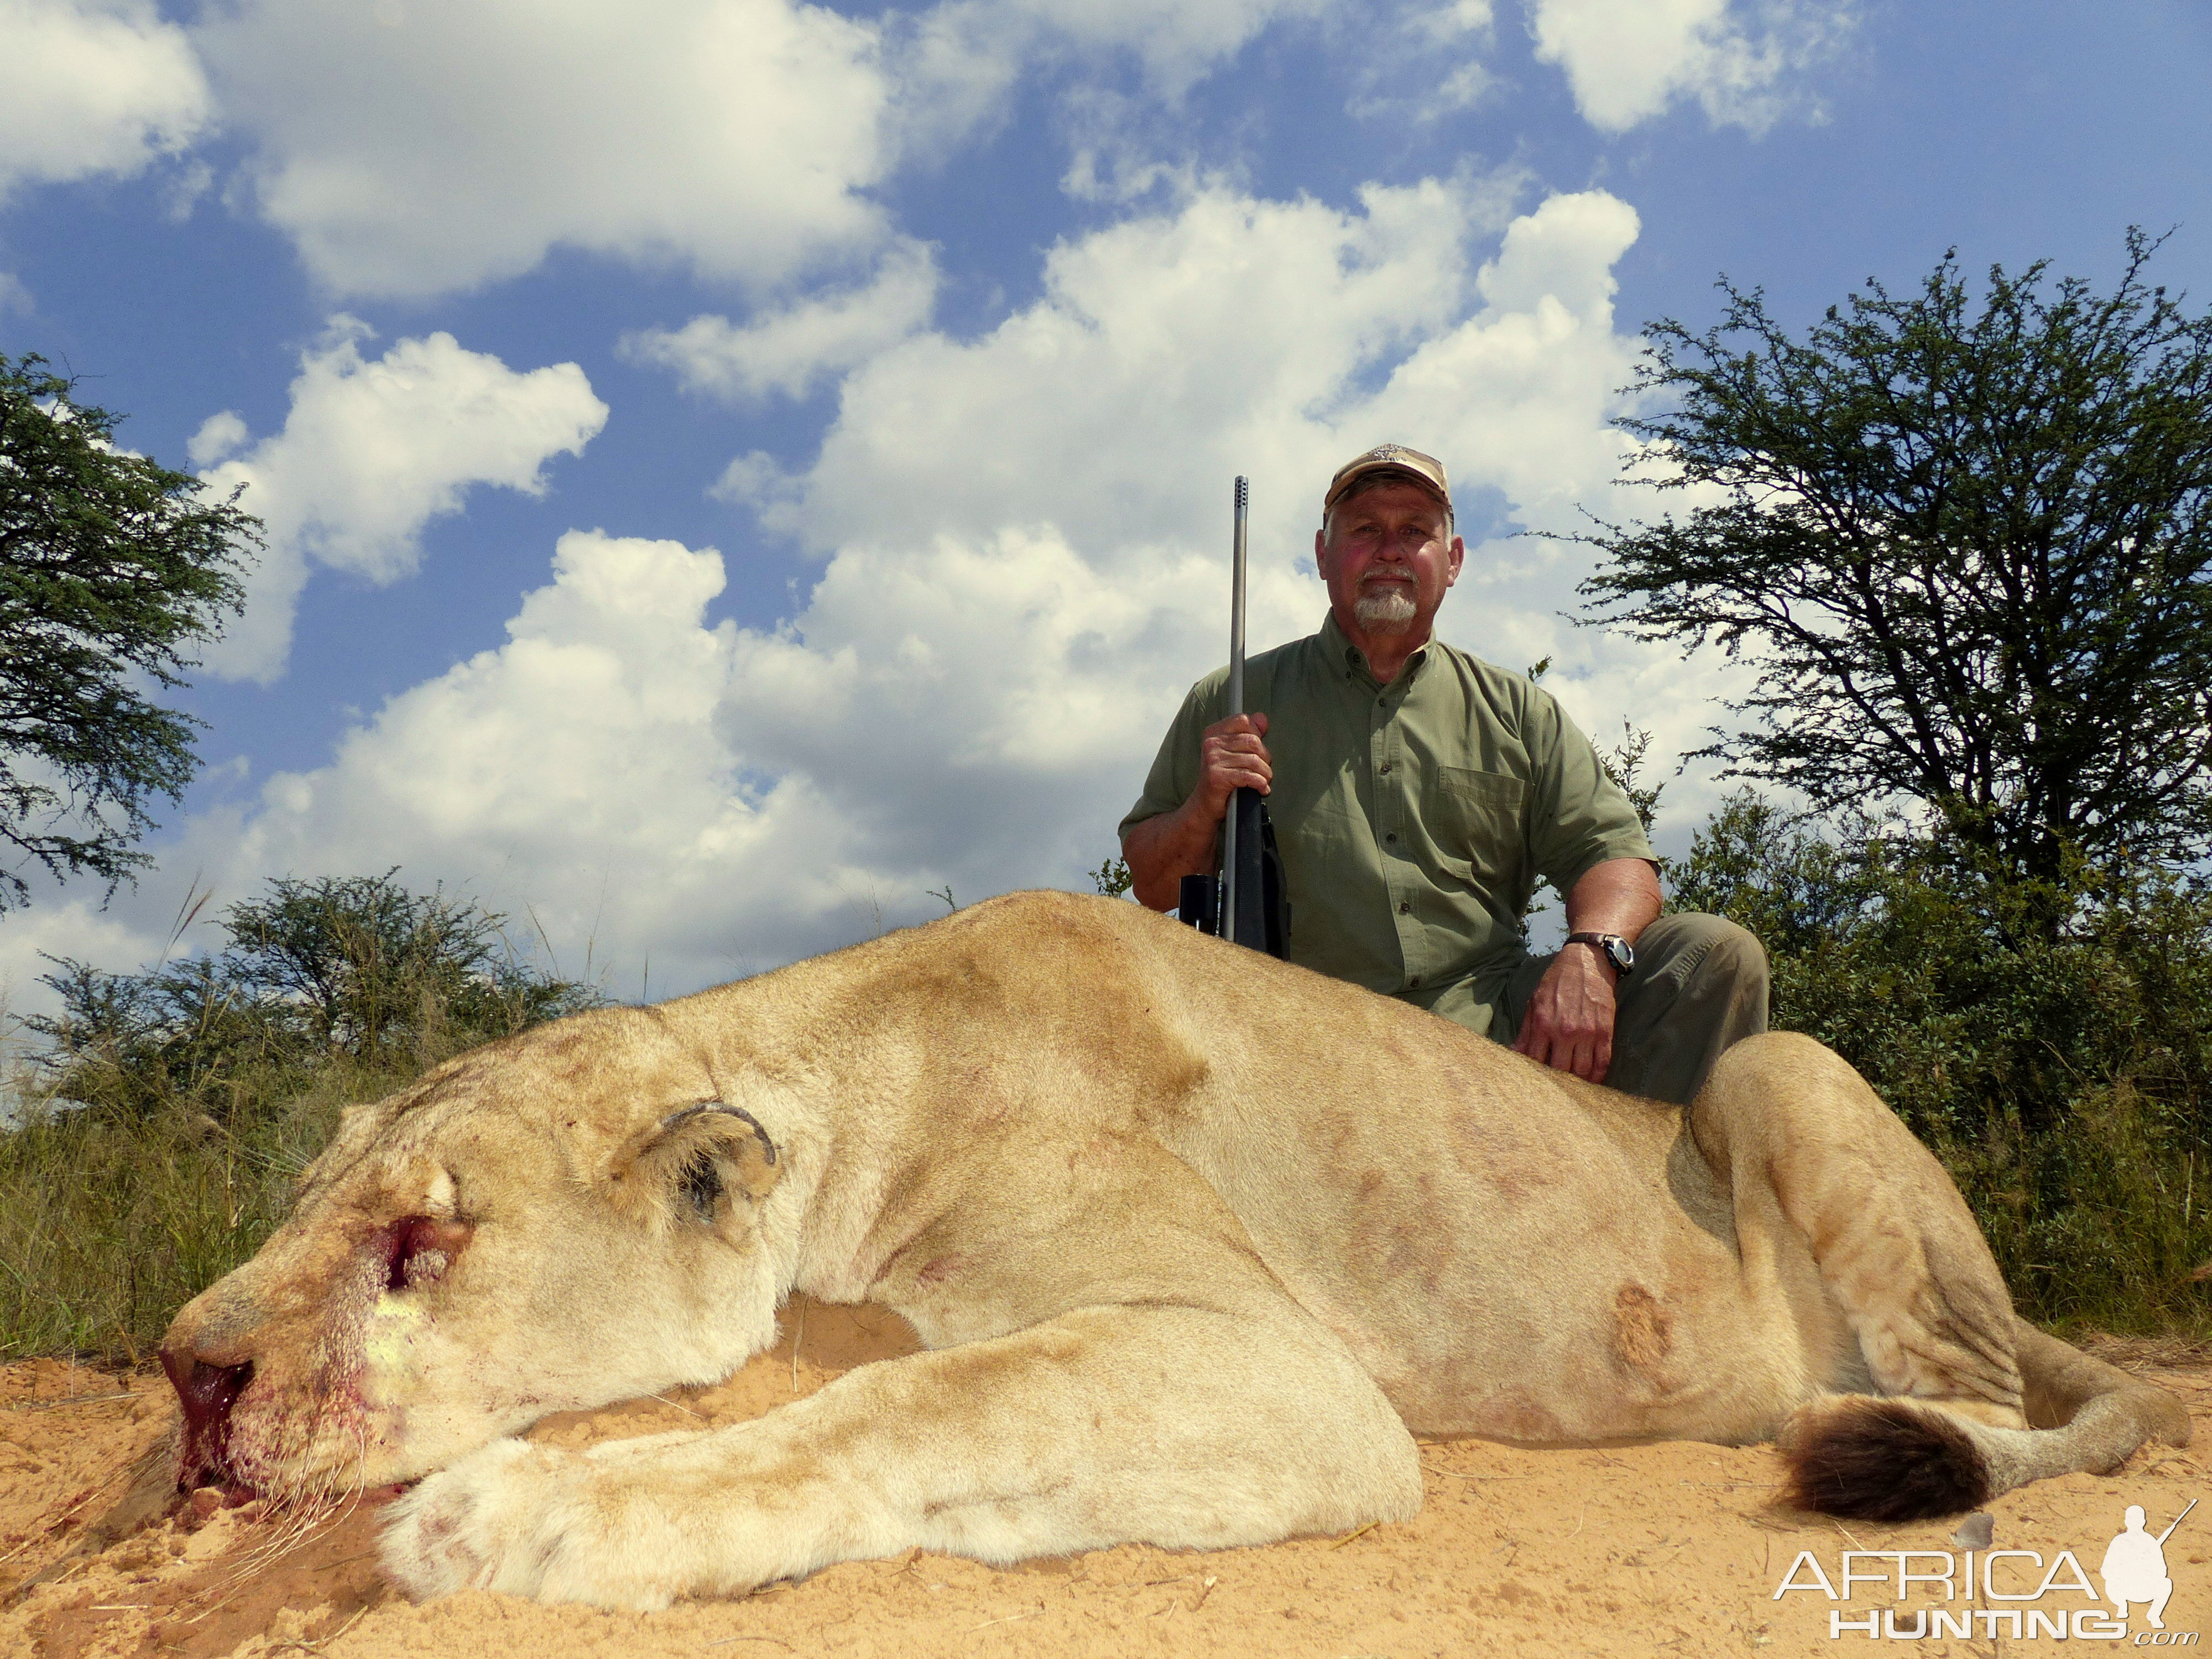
(515, 1518)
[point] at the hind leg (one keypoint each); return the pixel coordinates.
(1805, 1146)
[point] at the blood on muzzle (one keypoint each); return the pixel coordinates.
(203, 1362)
(207, 1393)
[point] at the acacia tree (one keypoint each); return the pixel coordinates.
(357, 967)
(1965, 545)
(112, 570)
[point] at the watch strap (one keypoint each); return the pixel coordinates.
(1614, 948)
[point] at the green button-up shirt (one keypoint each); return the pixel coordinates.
(1414, 818)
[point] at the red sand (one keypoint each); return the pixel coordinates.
(1674, 1548)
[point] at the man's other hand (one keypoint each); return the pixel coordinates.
(1232, 755)
(1568, 1023)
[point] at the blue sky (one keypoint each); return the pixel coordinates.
(734, 466)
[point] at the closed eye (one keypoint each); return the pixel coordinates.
(419, 1250)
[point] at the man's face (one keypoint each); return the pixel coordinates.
(1388, 558)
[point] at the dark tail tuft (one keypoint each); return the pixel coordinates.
(1883, 1459)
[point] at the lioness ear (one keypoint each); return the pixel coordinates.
(699, 1162)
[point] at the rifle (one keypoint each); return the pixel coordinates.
(1247, 902)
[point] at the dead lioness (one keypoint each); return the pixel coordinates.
(1194, 1239)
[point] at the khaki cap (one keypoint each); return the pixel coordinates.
(1425, 470)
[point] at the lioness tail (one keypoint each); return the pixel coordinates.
(1891, 1459)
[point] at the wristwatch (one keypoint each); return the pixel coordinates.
(1615, 949)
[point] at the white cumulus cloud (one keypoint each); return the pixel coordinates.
(373, 451)
(649, 789)
(410, 149)
(1168, 353)
(1629, 60)
(1023, 548)
(413, 147)
(790, 349)
(575, 774)
(1026, 535)
(93, 85)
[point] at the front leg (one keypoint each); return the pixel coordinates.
(1180, 1427)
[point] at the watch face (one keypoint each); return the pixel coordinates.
(1615, 949)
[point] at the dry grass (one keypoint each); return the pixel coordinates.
(2100, 1223)
(108, 1226)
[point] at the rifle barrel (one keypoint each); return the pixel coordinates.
(1235, 706)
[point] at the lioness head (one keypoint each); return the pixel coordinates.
(570, 1217)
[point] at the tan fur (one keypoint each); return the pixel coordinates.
(1194, 1238)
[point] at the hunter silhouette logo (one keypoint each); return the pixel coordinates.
(1989, 1593)
(2135, 1566)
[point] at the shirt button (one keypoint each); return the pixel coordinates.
(1385, 767)
(1405, 907)
(1415, 981)
(1390, 840)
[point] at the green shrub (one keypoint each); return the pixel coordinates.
(354, 967)
(2052, 1042)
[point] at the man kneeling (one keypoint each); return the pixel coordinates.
(1418, 793)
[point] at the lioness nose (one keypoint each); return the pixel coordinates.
(207, 1392)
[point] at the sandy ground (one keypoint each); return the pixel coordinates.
(1674, 1549)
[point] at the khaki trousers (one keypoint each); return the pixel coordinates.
(1699, 985)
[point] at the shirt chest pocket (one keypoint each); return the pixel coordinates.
(1476, 817)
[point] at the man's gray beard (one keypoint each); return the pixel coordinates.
(1387, 610)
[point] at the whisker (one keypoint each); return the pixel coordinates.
(309, 1511)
